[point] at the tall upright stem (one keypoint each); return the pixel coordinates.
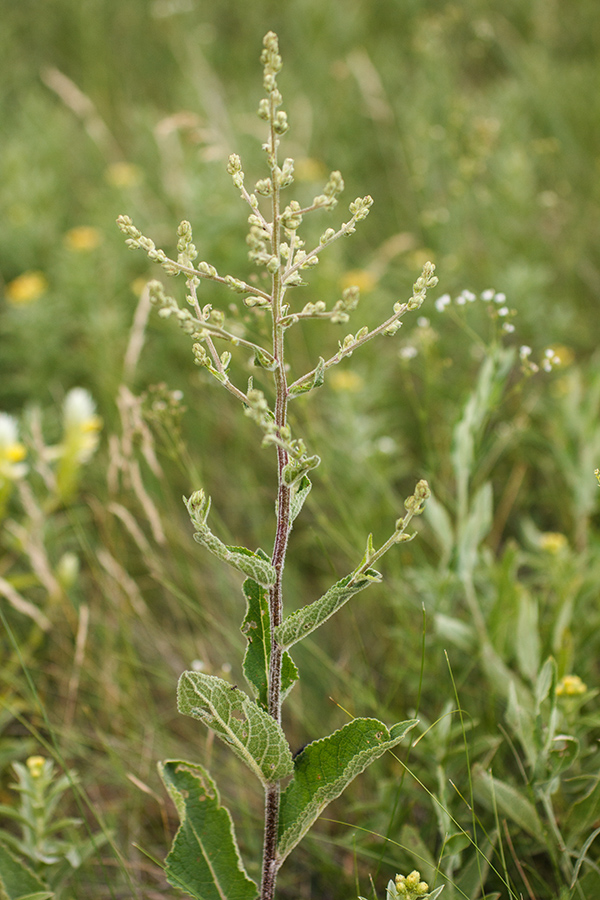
(272, 794)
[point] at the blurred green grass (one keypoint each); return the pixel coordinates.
(475, 129)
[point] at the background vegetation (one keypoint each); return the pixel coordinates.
(475, 128)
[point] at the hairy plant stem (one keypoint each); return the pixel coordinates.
(272, 794)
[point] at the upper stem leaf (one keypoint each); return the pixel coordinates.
(308, 618)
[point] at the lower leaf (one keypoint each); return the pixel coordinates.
(325, 768)
(204, 860)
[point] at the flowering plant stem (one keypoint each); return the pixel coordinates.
(204, 860)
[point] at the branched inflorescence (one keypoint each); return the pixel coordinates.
(276, 247)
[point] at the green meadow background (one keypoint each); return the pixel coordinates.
(475, 126)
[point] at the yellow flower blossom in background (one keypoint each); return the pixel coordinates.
(26, 288)
(364, 280)
(309, 169)
(83, 238)
(123, 175)
(570, 686)
(36, 765)
(553, 542)
(138, 285)
(12, 451)
(345, 380)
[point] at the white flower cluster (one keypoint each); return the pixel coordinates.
(488, 296)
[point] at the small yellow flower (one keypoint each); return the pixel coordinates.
(411, 886)
(35, 764)
(12, 451)
(553, 542)
(83, 238)
(309, 169)
(123, 175)
(570, 686)
(26, 288)
(138, 286)
(345, 380)
(364, 280)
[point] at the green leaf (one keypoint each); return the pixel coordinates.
(527, 636)
(240, 558)
(257, 629)
(17, 881)
(250, 731)
(476, 528)
(582, 814)
(325, 768)
(439, 520)
(299, 492)
(307, 619)
(509, 802)
(204, 859)
(316, 381)
(545, 681)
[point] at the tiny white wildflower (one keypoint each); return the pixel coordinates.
(503, 311)
(499, 298)
(508, 327)
(442, 302)
(469, 296)
(408, 352)
(488, 294)
(423, 322)
(524, 351)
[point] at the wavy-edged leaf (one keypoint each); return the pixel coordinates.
(244, 726)
(308, 618)
(256, 628)
(325, 768)
(204, 859)
(17, 881)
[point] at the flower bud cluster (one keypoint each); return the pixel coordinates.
(414, 506)
(299, 463)
(271, 61)
(410, 887)
(185, 246)
(350, 341)
(291, 217)
(167, 306)
(426, 279)
(335, 186)
(198, 506)
(137, 241)
(258, 240)
(344, 306)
